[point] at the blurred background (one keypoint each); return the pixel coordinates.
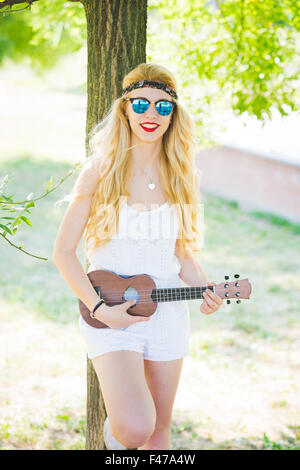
(240, 385)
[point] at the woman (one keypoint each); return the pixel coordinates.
(141, 177)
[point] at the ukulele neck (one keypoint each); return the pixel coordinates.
(170, 294)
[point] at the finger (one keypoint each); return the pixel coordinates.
(211, 303)
(136, 318)
(129, 303)
(206, 305)
(214, 297)
(205, 309)
(142, 318)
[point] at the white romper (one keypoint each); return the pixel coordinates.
(144, 244)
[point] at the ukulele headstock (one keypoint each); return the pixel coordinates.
(239, 289)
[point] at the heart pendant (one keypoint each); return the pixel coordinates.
(151, 186)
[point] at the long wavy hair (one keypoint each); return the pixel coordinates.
(109, 143)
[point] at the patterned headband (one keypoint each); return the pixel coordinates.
(151, 84)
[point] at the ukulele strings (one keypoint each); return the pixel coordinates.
(141, 301)
(160, 296)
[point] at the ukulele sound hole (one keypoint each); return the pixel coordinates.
(131, 293)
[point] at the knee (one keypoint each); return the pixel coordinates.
(134, 434)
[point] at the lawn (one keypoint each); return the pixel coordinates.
(240, 385)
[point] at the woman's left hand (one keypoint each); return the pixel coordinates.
(212, 302)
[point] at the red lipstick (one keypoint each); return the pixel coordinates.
(149, 129)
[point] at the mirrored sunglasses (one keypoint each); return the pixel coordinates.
(140, 105)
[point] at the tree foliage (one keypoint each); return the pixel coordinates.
(246, 48)
(50, 29)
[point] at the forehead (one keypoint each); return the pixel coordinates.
(150, 93)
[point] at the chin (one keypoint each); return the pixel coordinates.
(148, 136)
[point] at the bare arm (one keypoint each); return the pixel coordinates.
(76, 278)
(193, 275)
(70, 233)
(191, 272)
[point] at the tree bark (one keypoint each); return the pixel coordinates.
(95, 410)
(116, 43)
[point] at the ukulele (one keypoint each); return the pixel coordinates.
(114, 290)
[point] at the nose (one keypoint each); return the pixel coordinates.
(152, 111)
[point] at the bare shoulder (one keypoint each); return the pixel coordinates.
(78, 211)
(88, 180)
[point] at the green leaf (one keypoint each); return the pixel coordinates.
(26, 220)
(6, 229)
(17, 222)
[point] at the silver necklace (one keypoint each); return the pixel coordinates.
(151, 185)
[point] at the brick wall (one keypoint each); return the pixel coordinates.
(256, 182)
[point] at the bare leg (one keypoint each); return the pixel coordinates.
(162, 378)
(128, 401)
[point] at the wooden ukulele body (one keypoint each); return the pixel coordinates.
(115, 290)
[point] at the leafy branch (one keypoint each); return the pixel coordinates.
(10, 3)
(16, 209)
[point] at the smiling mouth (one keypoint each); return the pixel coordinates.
(149, 129)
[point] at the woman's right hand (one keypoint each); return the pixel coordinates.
(117, 316)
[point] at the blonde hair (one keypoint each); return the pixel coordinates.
(109, 143)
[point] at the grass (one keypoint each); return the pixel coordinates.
(240, 385)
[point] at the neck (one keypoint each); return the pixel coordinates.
(145, 154)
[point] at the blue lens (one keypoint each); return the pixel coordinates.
(140, 106)
(164, 108)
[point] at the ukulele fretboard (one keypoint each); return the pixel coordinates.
(179, 293)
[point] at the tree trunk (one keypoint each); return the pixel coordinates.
(116, 43)
(95, 410)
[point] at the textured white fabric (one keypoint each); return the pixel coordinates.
(144, 244)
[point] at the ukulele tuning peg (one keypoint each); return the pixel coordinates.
(238, 301)
(228, 301)
(236, 276)
(226, 278)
